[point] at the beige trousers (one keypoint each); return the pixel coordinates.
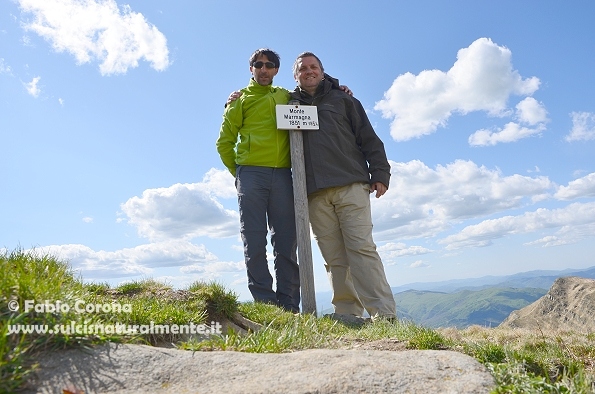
(342, 224)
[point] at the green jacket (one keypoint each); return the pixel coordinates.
(252, 118)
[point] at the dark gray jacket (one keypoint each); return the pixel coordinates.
(346, 148)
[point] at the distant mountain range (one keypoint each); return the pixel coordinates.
(487, 307)
(485, 301)
(540, 279)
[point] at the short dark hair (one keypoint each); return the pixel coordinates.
(303, 55)
(269, 53)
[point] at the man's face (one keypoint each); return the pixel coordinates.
(263, 75)
(309, 73)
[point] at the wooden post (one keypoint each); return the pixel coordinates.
(302, 222)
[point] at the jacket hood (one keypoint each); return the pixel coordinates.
(334, 81)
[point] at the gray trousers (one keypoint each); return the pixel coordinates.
(265, 196)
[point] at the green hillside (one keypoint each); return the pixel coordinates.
(487, 307)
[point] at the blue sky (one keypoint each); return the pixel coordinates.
(109, 112)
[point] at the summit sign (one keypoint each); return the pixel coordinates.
(297, 117)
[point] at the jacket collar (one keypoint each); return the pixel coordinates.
(256, 87)
(327, 84)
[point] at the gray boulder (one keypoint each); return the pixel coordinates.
(124, 369)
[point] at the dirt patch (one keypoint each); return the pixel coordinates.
(388, 344)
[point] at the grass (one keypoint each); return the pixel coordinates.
(520, 361)
(526, 361)
(220, 302)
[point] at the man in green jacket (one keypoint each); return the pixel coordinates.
(257, 154)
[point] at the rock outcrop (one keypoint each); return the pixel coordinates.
(127, 369)
(569, 305)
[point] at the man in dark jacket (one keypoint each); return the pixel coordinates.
(345, 161)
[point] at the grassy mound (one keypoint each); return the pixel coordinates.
(520, 361)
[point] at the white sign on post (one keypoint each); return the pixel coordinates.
(297, 117)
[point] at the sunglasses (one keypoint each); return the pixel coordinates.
(259, 64)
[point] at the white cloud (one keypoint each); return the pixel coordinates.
(184, 210)
(219, 183)
(575, 221)
(422, 202)
(240, 281)
(536, 169)
(4, 68)
(217, 267)
(61, 101)
(531, 112)
(482, 79)
(392, 250)
(27, 41)
(169, 217)
(140, 260)
(528, 112)
(568, 234)
(550, 240)
(32, 87)
(582, 187)
(98, 30)
(583, 127)
(419, 264)
(510, 133)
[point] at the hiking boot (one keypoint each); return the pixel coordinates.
(349, 320)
